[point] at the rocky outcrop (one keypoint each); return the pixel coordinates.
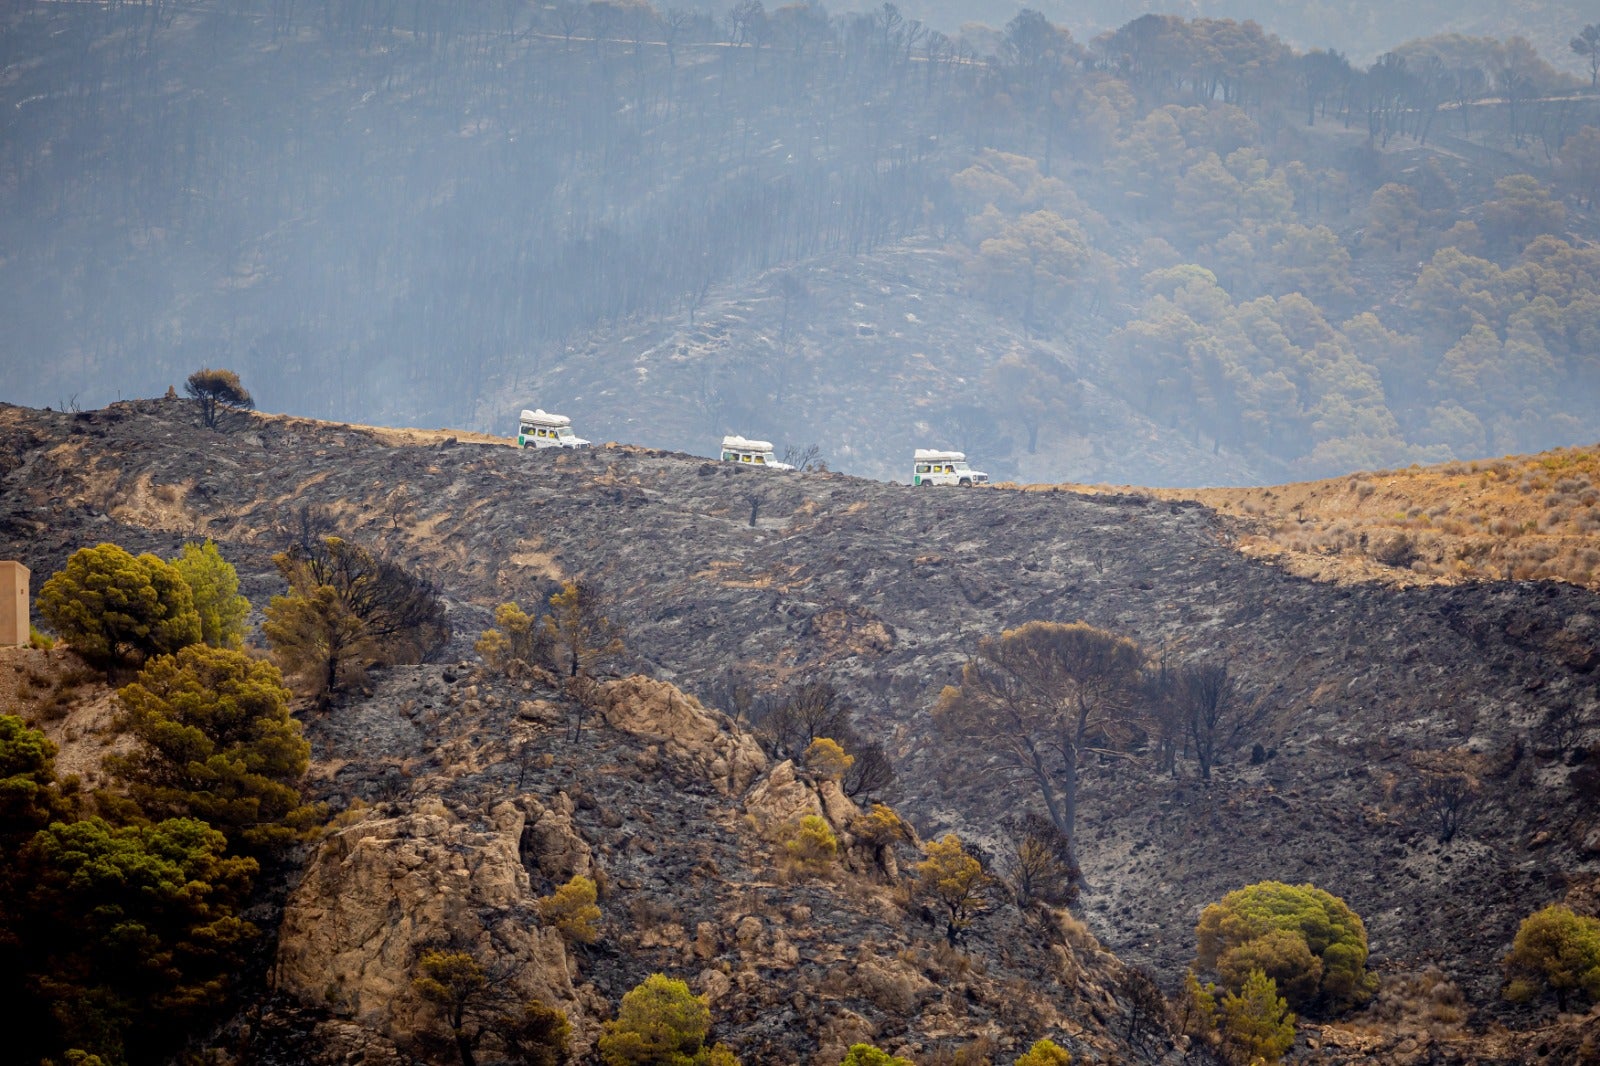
(386, 889)
(782, 797)
(696, 740)
(551, 841)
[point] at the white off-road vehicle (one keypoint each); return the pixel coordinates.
(541, 429)
(944, 468)
(736, 449)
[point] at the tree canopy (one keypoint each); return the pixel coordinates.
(1308, 941)
(217, 392)
(214, 583)
(1557, 951)
(216, 742)
(117, 609)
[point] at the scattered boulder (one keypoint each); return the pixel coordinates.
(699, 741)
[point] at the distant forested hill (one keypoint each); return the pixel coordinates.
(1182, 252)
(1362, 29)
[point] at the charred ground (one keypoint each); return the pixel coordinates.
(884, 589)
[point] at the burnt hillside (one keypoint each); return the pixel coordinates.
(884, 589)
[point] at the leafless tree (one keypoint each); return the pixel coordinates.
(1217, 715)
(1450, 786)
(872, 771)
(789, 721)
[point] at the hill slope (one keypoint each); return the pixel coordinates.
(883, 589)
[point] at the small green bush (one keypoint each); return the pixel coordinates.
(1045, 1052)
(661, 1023)
(813, 844)
(1256, 1023)
(867, 1055)
(1555, 950)
(571, 909)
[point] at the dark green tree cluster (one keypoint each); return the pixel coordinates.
(116, 934)
(215, 742)
(121, 926)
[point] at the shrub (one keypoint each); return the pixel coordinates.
(1045, 1052)
(827, 759)
(1555, 950)
(867, 1055)
(116, 609)
(215, 742)
(955, 882)
(516, 636)
(214, 584)
(661, 1023)
(538, 1035)
(571, 909)
(1256, 1023)
(813, 844)
(39, 641)
(1331, 971)
(881, 826)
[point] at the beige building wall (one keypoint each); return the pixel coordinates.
(13, 603)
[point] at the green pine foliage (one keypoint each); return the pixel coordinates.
(661, 1023)
(29, 796)
(812, 845)
(1555, 951)
(955, 883)
(867, 1055)
(116, 609)
(129, 934)
(1045, 1052)
(214, 583)
(1256, 1023)
(1309, 941)
(572, 911)
(216, 742)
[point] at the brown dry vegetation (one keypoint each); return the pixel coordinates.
(1532, 517)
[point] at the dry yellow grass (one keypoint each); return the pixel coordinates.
(1532, 517)
(389, 435)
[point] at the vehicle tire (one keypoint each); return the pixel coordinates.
(926, 483)
(966, 483)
